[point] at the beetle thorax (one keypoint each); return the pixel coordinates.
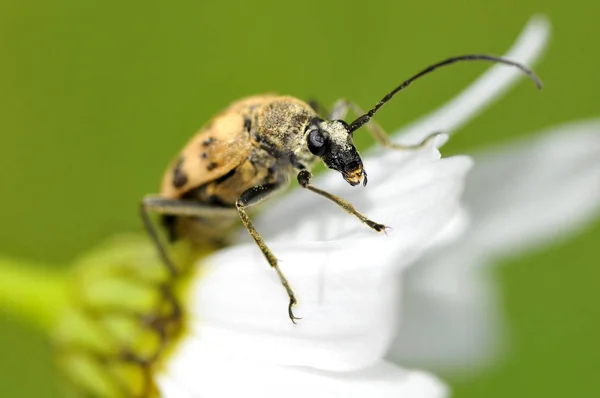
(281, 127)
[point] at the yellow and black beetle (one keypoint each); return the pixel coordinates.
(250, 150)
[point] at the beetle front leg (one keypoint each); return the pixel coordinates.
(249, 198)
(340, 110)
(304, 178)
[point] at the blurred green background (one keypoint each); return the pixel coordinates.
(96, 97)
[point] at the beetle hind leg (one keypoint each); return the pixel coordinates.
(173, 208)
(145, 207)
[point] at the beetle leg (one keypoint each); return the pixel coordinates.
(249, 198)
(304, 178)
(175, 207)
(340, 110)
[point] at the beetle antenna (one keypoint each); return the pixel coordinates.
(360, 121)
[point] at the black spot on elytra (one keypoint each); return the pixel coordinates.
(179, 177)
(211, 166)
(203, 155)
(247, 124)
(208, 141)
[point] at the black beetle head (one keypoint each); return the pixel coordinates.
(332, 142)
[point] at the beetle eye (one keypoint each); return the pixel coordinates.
(317, 142)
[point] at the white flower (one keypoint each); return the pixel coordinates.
(519, 196)
(239, 341)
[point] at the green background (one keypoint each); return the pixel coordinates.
(96, 97)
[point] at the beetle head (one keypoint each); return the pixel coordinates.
(331, 140)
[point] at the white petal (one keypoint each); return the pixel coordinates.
(535, 190)
(486, 90)
(173, 388)
(213, 376)
(342, 272)
(521, 195)
(451, 315)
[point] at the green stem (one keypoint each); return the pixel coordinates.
(32, 292)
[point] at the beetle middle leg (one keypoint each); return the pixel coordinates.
(340, 110)
(304, 178)
(249, 198)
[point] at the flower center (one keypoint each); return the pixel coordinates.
(126, 315)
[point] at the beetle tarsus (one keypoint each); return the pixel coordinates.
(293, 302)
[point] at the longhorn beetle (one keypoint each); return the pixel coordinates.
(250, 150)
